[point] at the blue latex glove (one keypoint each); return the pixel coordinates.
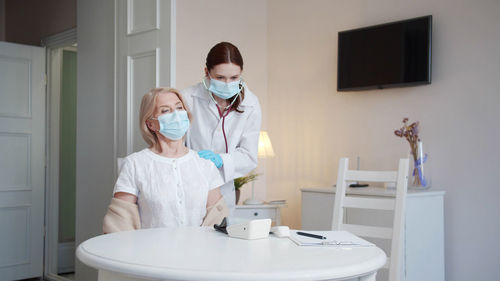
(210, 155)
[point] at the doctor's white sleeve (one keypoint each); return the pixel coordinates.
(244, 159)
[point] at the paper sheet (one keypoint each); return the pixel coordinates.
(333, 238)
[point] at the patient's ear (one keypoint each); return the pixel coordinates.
(151, 125)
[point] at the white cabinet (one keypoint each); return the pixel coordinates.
(263, 211)
(423, 233)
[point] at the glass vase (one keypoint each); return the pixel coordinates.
(419, 175)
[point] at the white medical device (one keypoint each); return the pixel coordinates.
(280, 231)
(253, 229)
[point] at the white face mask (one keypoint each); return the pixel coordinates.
(224, 90)
(174, 125)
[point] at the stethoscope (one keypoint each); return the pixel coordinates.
(223, 113)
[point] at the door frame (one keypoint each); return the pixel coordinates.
(53, 95)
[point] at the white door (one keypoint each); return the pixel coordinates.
(145, 54)
(22, 160)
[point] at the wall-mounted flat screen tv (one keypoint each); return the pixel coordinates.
(394, 54)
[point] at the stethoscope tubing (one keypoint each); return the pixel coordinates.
(223, 116)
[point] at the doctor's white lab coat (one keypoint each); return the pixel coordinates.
(242, 134)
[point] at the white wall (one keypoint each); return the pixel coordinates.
(202, 24)
(95, 121)
(313, 125)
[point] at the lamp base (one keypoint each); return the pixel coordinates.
(253, 201)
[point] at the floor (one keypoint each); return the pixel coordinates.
(70, 276)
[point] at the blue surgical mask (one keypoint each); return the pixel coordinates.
(224, 90)
(174, 125)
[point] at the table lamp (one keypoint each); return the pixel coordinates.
(265, 151)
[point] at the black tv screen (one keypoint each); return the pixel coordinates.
(394, 54)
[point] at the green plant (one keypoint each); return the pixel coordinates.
(239, 182)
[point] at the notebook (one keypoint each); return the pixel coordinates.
(333, 238)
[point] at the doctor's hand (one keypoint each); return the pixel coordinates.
(210, 155)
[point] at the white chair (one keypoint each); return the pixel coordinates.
(397, 204)
(119, 164)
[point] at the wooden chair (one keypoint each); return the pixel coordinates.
(397, 204)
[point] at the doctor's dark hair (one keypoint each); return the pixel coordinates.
(148, 107)
(225, 52)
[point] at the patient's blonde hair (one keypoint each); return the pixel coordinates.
(148, 106)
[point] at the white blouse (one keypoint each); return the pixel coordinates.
(170, 191)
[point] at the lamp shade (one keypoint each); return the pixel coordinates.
(265, 146)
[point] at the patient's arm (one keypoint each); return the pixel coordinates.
(213, 196)
(216, 208)
(122, 214)
(126, 197)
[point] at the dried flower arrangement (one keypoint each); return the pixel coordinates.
(239, 182)
(410, 132)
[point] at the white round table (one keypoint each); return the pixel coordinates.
(201, 253)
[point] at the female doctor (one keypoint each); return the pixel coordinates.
(227, 117)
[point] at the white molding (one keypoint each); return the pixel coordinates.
(128, 111)
(66, 252)
(29, 185)
(115, 91)
(157, 67)
(54, 46)
(70, 49)
(54, 60)
(130, 20)
(29, 64)
(173, 27)
(130, 94)
(55, 277)
(64, 38)
(26, 260)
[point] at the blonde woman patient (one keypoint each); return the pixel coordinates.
(166, 184)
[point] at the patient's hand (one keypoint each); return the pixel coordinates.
(127, 197)
(213, 196)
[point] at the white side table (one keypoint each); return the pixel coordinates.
(423, 247)
(263, 211)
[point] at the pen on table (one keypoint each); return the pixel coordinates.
(311, 235)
